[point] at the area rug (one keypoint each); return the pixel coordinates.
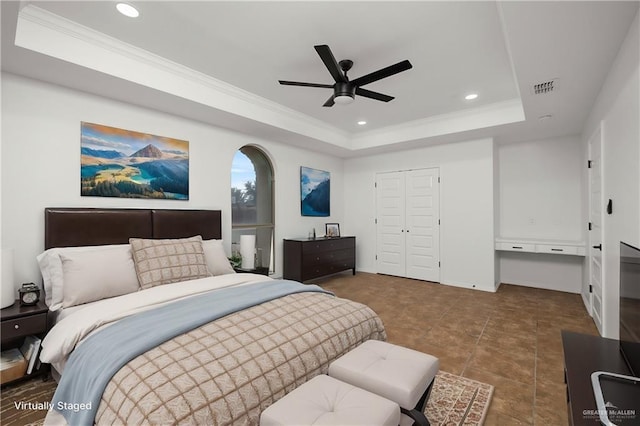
(454, 400)
(457, 400)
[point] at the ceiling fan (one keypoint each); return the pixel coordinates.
(344, 91)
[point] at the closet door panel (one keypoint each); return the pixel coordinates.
(390, 206)
(422, 233)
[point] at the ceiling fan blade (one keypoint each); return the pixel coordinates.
(330, 62)
(298, 83)
(382, 73)
(329, 102)
(373, 95)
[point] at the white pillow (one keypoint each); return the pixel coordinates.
(216, 258)
(96, 275)
(52, 274)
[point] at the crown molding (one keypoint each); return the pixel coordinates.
(45, 32)
(498, 113)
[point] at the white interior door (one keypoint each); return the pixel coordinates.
(593, 298)
(422, 234)
(390, 210)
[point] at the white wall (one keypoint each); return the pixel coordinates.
(541, 191)
(540, 270)
(618, 109)
(41, 166)
(466, 207)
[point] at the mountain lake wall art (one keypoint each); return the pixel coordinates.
(315, 192)
(123, 163)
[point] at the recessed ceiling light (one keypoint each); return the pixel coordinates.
(127, 10)
(361, 123)
(471, 96)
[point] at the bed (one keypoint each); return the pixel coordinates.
(242, 357)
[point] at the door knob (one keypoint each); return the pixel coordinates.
(599, 247)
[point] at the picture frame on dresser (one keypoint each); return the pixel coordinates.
(332, 230)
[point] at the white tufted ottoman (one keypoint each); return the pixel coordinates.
(396, 373)
(327, 401)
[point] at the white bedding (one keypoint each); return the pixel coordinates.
(78, 323)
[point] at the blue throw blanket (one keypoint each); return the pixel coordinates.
(92, 365)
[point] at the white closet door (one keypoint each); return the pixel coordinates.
(421, 230)
(390, 206)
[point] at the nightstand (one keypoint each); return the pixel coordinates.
(18, 322)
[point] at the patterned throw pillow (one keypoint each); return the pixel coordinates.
(168, 261)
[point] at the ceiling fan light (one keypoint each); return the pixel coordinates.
(343, 99)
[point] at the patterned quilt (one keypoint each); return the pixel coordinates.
(229, 370)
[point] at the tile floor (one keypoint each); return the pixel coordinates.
(510, 339)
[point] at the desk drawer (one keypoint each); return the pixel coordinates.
(516, 246)
(20, 327)
(556, 249)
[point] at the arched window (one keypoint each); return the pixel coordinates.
(252, 203)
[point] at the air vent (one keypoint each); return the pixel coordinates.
(544, 87)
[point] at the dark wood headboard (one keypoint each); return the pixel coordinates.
(70, 227)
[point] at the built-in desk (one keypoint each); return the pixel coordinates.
(573, 248)
(584, 354)
(549, 264)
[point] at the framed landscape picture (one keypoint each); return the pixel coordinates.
(123, 163)
(315, 192)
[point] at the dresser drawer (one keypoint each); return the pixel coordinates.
(316, 271)
(311, 247)
(20, 327)
(320, 258)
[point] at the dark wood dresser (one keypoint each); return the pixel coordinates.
(306, 259)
